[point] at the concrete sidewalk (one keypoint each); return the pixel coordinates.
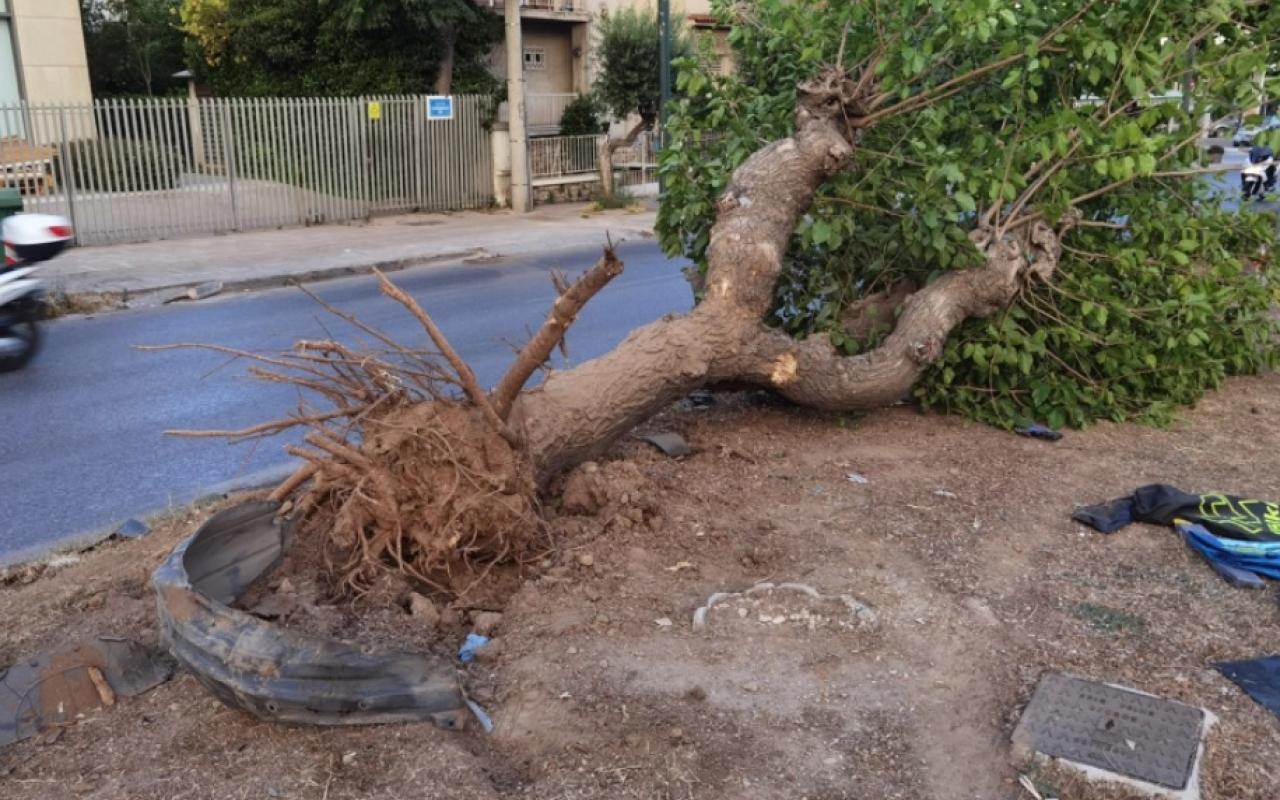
(266, 258)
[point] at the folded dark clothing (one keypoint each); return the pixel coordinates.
(1108, 517)
(1227, 516)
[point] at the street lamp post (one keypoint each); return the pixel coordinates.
(664, 72)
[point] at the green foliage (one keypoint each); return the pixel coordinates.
(627, 47)
(133, 46)
(341, 47)
(583, 117)
(133, 165)
(1159, 295)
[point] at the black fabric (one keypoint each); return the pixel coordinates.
(1108, 517)
(1227, 516)
(1260, 678)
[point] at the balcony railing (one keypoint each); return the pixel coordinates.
(541, 5)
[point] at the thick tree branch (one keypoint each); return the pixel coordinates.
(563, 312)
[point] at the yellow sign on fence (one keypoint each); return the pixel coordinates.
(375, 111)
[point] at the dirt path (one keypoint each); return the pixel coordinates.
(959, 544)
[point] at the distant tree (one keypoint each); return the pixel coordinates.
(133, 46)
(342, 47)
(627, 52)
(584, 116)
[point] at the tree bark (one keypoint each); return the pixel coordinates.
(444, 77)
(610, 146)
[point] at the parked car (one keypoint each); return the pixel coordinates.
(1244, 135)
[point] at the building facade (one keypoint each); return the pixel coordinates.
(558, 40)
(42, 53)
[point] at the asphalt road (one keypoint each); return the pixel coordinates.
(81, 445)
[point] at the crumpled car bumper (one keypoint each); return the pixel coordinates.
(271, 672)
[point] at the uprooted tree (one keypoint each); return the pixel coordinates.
(881, 194)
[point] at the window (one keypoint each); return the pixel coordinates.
(534, 58)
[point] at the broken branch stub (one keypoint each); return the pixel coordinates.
(563, 312)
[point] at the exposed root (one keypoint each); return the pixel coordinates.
(433, 491)
(400, 472)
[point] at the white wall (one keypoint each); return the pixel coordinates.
(54, 66)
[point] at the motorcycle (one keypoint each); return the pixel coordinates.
(28, 240)
(1260, 175)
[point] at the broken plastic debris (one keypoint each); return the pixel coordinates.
(130, 529)
(673, 444)
(272, 672)
(474, 641)
(855, 477)
(1038, 431)
(663, 622)
(55, 687)
(485, 721)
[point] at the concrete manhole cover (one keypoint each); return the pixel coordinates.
(1115, 730)
(782, 607)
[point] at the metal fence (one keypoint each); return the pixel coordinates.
(141, 170)
(557, 158)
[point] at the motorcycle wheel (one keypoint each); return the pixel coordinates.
(28, 335)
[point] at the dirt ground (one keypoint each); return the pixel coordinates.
(953, 578)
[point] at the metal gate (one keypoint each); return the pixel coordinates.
(141, 170)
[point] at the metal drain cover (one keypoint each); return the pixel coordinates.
(1113, 729)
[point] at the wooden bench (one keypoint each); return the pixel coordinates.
(26, 167)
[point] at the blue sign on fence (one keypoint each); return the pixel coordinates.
(439, 107)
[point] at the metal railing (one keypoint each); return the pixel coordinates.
(554, 158)
(558, 156)
(141, 170)
(542, 5)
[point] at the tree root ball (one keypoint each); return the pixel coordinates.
(432, 490)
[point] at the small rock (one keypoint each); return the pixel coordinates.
(573, 651)
(287, 586)
(586, 559)
(663, 622)
(424, 609)
(676, 734)
(592, 594)
(348, 758)
(486, 622)
(558, 572)
(697, 694)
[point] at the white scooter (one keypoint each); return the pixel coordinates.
(28, 239)
(1259, 176)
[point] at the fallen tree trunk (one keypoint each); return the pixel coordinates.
(432, 485)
